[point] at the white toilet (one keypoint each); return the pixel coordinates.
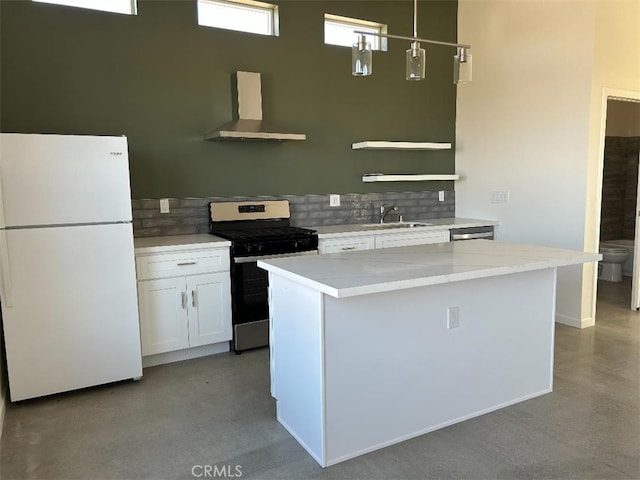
(610, 267)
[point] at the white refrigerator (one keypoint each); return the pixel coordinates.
(68, 283)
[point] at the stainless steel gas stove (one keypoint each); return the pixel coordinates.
(257, 230)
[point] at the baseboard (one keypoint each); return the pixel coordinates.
(187, 354)
(575, 322)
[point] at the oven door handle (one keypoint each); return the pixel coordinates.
(267, 257)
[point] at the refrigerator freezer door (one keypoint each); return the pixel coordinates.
(64, 179)
(74, 320)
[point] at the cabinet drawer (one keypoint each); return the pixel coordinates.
(182, 263)
(346, 244)
(407, 239)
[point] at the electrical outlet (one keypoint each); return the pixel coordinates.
(441, 196)
(500, 197)
(334, 200)
(453, 317)
(164, 205)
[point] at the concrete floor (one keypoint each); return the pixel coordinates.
(217, 411)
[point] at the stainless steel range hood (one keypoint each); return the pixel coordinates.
(248, 124)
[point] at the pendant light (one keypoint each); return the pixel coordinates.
(416, 56)
(462, 66)
(362, 58)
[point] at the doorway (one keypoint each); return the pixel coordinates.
(620, 201)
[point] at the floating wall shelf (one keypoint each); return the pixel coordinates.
(379, 177)
(378, 145)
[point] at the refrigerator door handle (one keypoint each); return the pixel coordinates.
(5, 267)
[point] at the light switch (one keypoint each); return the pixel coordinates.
(453, 317)
(441, 196)
(334, 200)
(500, 197)
(164, 205)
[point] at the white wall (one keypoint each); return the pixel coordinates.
(616, 71)
(523, 125)
(531, 122)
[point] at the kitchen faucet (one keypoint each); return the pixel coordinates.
(384, 211)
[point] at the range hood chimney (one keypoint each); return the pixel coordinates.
(248, 124)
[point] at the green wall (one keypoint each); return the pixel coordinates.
(163, 81)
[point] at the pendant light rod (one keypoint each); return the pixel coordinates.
(415, 18)
(413, 39)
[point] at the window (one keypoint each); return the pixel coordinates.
(241, 15)
(339, 31)
(117, 6)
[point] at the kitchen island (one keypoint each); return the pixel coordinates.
(371, 348)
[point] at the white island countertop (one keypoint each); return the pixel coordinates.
(372, 271)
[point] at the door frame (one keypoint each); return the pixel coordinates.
(635, 279)
(623, 96)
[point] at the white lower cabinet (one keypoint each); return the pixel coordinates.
(209, 308)
(388, 240)
(184, 311)
(164, 324)
(346, 244)
(381, 240)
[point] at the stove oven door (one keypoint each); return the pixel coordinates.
(250, 301)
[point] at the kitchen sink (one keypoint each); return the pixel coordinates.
(395, 225)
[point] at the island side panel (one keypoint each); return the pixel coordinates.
(296, 360)
(394, 370)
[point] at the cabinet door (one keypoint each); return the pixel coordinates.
(347, 244)
(163, 315)
(388, 240)
(209, 308)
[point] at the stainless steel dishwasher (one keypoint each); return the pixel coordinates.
(471, 233)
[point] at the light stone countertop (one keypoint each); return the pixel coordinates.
(372, 271)
(352, 230)
(171, 243)
(176, 243)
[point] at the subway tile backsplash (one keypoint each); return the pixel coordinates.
(191, 215)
